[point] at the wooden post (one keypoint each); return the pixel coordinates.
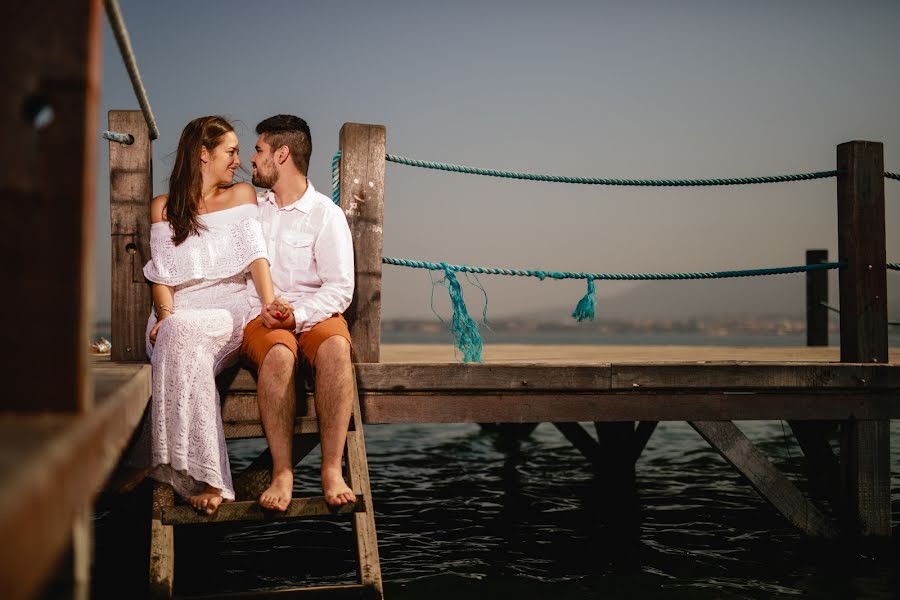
(130, 191)
(865, 449)
(162, 544)
(362, 198)
(816, 299)
(616, 441)
(822, 466)
(50, 93)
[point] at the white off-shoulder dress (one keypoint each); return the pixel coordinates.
(182, 435)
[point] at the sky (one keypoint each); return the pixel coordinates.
(666, 89)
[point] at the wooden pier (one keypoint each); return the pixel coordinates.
(66, 421)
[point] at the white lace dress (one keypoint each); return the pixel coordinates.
(183, 435)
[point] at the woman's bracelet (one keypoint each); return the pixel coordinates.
(163, 307)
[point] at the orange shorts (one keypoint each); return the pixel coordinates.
(259, 339)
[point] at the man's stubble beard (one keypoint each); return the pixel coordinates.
(264, 181)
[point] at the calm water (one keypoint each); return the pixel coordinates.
(461, 512)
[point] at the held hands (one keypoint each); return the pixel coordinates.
(279, 314)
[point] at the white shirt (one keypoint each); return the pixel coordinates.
(311, 256)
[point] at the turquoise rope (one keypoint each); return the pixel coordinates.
(402, 160)
(419, 264)
(114, 136)
(890, 175)
(336, 178)
(465, 330)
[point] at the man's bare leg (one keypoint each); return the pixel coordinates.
(277, 410)
(334, 403)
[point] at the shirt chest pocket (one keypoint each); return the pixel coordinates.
(297, 250)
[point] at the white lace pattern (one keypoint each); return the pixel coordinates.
(182, 434)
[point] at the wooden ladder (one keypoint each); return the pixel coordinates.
(242, 421)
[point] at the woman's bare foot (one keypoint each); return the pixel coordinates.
(207, 501)
(336, 490)
(278, 495)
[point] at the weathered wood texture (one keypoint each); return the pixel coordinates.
(130, 190)
(729, 376)
(866, 471)
(368, 562)
(251, 511)
(863, 290)
(470, 407)
(816, 298)
(162, 544)
(452, 393)
(772, 485)
(362, 199)
(861, 243)
(240, 416)
(51, 82)
(53, 466)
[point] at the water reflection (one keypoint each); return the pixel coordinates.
(461, 511)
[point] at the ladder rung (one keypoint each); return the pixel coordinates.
(251, 511)
(329, 592)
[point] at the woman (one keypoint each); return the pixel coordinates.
(205, 239)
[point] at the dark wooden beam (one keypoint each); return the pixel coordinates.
(469, 407)
(728, 376)
(582, 440)
(50, 69)
(865, 451)
(816, 299)
(771, 484)
(642, 434)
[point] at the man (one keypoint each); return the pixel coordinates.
(311, 255)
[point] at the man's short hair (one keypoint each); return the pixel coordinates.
(290, 131)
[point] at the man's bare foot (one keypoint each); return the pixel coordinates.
(278, 495)
(336, 490)
(207, 501)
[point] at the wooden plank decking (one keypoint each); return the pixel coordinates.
(643, 383)
(53, 465)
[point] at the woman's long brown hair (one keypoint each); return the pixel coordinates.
(185, 181)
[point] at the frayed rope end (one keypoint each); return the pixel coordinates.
(464, 330)
(585, 308)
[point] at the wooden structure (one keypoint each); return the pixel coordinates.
(63, 424)
(63, 434)
(625, 401)
(130, 192)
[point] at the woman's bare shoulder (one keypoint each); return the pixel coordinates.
(158, 208)
(241, 193)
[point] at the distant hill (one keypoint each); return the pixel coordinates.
(783, 295)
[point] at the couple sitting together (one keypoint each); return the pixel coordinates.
(236, 276)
